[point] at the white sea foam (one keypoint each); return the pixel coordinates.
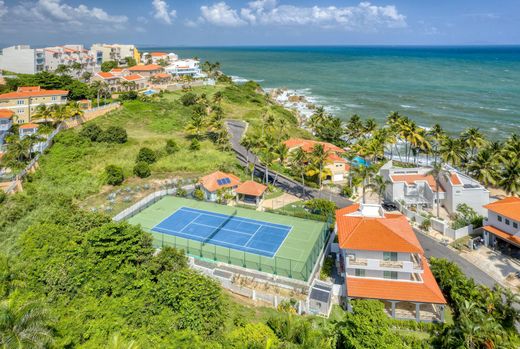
(502, 109)
(406, 106)
(352, 105)
(241, 80)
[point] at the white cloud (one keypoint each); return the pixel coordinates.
(3, 8)
(162, 11)
(142, 19)
(221, 14)
(362, 17)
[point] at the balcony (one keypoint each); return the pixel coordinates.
(391, 264)
(413, 266)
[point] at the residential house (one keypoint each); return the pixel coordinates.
(502, 226)
(146, 70)
(115, 52)
(189, 67)
(337, 166)
(161, 78)
(158, 57)
(26, 100)
(6, 122)
(31, 129)
(119, 71)
(382, 259)
(110, 79)
(251, 193)
(135, 82)
(218, 181)
(415, 186)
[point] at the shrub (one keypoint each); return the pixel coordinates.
(3, 196)
(92, 132)
(347, 191)
(465, 216)
(128, 96)
(142, 169)
(188, 99)
(426, 224)
(181, 192)
(171, 146)
(321, 206)
(114, 134)
(195, 144)
(326, 269)
(114, 175)
(198, 194)
(146, 155)
(252, 335)
(108, 66)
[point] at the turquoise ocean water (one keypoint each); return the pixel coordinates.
(458, 87)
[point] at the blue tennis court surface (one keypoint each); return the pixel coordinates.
(239, 233)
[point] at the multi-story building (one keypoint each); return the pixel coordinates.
(133, 82)
(67, 55)
(146, 70)
(415, 186)
(382, 259)
(22, 59)
(116, 52)
(6, 122)
(25, 100)
(502, 226)
(183, 67)
(336, 166)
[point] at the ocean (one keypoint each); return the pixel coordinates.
(457, 87)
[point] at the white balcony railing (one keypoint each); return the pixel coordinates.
(378, 264)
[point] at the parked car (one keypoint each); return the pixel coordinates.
(389, 206)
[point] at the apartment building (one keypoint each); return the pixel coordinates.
(502, 225)
(190, 67)
(6, 122)
(382, 259)
(115, 52)
(25, 100)
(67, 55)
(22, 59)
(416, 187)
(337, 167)
(156, 57)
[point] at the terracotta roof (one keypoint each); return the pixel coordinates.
(413, 178)
(28, 126)
(515, 240)
(158, 54)
(132, 77)
(148, 67)
(116, 70)
(162, 76)
(210, 182)
(335, 158)
(391, 232)
(106, 75)
(455, 180)
(427, 291)
(251, 188)
(508, 207)
(307, 145)
(6, 114)
(33, 91)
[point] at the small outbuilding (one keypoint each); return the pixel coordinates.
(251, 193)
(217, 182)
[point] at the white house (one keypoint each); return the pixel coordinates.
(185, 67)
(502, 226)
(415, 186)
(382, 259)
(22, 59)
(216, 181)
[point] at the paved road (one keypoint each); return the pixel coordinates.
(432, 248)
(236, 129)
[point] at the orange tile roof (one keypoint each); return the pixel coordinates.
(148, 67)
(389, 233)
(33, 91)
(455, 180)
(28, 126)
(116, 70)
(413, 178)
(158, 54)
(6, 114)
(251, 188)
(162, 76)
(426, 292)
(307, 145)
(132, 77)
(335, 158)
(508, 207)
(210, 181)
(106, 75)
(515, 240)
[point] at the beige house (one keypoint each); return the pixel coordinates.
(25, 101)
(147, 70)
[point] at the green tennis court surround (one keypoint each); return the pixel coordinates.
(295, 257)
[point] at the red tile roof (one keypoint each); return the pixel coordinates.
(392, 232)
(413, 178)
(106, 75)
(33, 91)
(148, 67)
(162, 76)
(455, 180)
(251, 188)
(116, 70)
(333, 157)
(210, 181)
(426, 292)
(158, 54)
(307, 145)
(28, 126)
(6, 114)
(515, 240)
(132, 77)
(508, 207)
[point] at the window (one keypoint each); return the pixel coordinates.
(507, 221)
(390, 256)
(390, 275)
(20, 111)
(515, 225)
(499, 218)
(21, 102)
(360, 272)
(54, 98)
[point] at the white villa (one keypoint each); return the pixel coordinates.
(502, 226)
(183, 67)
(415, 186)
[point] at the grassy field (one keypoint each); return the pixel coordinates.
(295, 257)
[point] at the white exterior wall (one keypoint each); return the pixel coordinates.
(493, 221)
(18, 59)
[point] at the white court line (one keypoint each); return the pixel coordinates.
(187, 225)
(252, 236)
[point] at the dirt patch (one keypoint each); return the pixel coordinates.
(280, 201)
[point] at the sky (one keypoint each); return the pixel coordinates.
(260, 22)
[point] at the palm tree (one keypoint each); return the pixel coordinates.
(437, 134)
(23, 326)
(268, 155)
(379, 185)
(43, 112)
(474, 139)
(196, 124)
(510, 177)
(317, 118)
(369, 126)
(365, 174)
(100, 87)
(217, 97)
(354, 127)
(299, 162)
(483, 167)
(248, 143)
(319, 157)
(438, 172)
(451, 151)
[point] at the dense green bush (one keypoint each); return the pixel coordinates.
(322, 207)
(128, 96)
(195, 144)
(198, 194)
(108, 66)
(142, 169)
(171, 147)
(91, 131)
(146, 155)
(114, 175)
(114, 134)
(188, 99)
(464, 216)
(3, 196)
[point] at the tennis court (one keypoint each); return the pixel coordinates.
(231, 231)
